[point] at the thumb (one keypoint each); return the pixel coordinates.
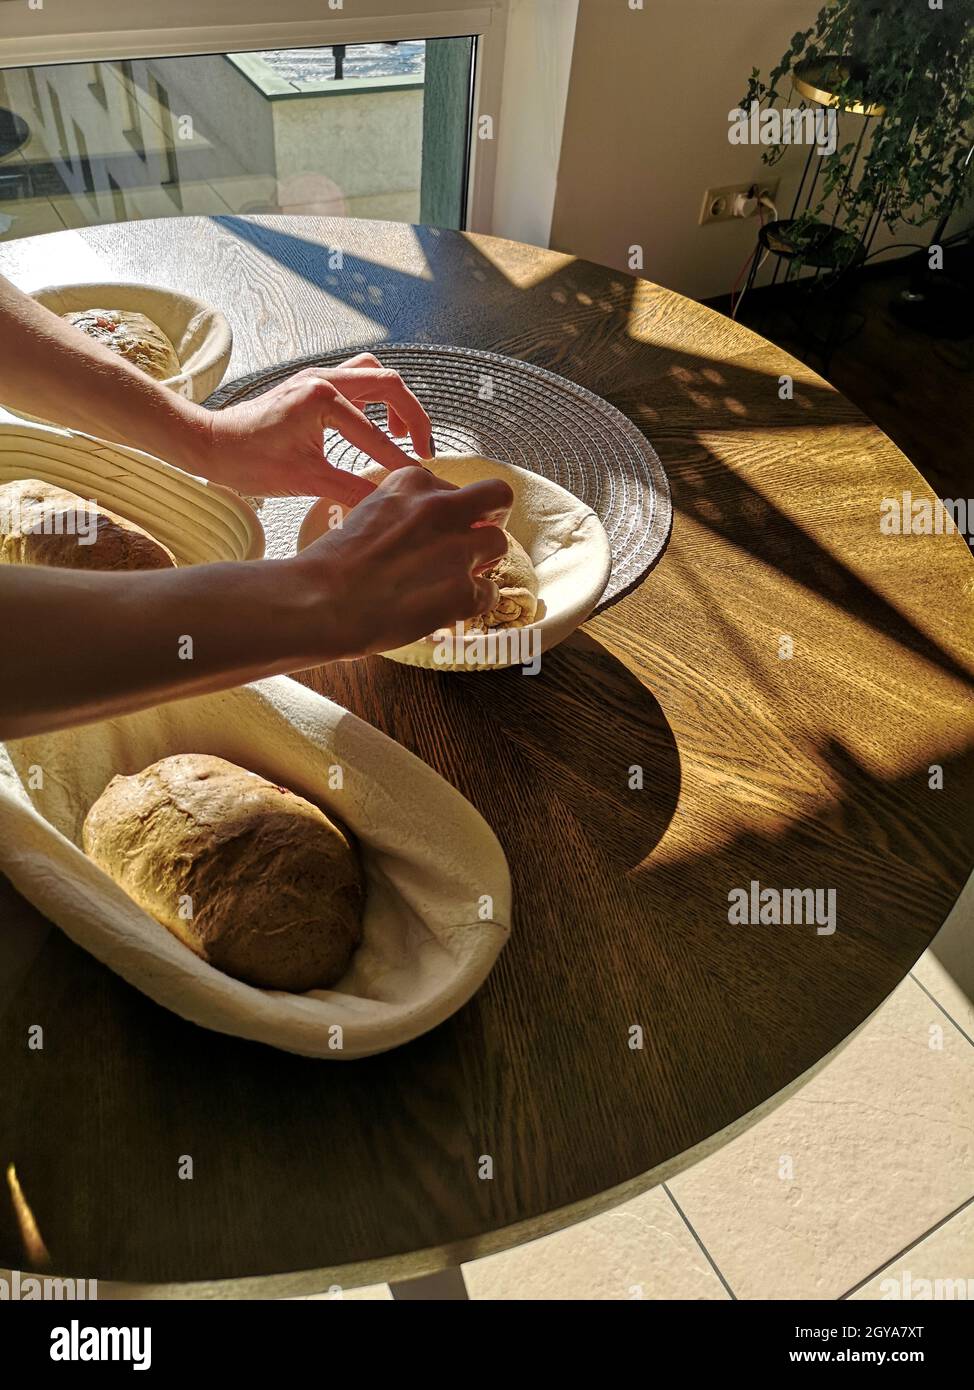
(487, 595)
(341, 486)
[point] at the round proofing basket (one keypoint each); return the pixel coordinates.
(485, 404)
(564, 541)
(197, 520)
(198, 331)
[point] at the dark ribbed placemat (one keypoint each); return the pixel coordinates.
(484, 403)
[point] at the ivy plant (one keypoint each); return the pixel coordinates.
(916, 59)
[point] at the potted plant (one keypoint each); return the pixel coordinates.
(906, 65)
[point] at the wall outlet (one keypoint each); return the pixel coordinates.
(719, 203)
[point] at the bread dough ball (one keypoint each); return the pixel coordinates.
(41, 524)
(132, 336)
(250, 877)
(517, 603)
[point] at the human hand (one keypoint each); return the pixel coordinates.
(272, 446)
(404, 562)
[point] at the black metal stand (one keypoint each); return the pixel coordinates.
(824, 245)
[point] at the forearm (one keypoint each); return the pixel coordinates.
(55, 371)
(81, 646)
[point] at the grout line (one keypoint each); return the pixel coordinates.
(906, 1249)
(710, 1260)
(934, 1000)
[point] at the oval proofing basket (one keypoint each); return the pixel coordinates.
(199, 521)
(438, 898)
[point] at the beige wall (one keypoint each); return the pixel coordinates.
(537, 65)
(646, 132)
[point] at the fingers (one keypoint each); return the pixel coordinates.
(364, 379)
(476, 507)
(344, 487)
(486, 597)
(457, 601)
(397, 425)
(486, 544)
(358, 429)
(417, 479)
(361, 359)
(487, 499)
(476, 547)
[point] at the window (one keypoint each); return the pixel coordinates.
(379, 129)
(132, 125)
(96, 86)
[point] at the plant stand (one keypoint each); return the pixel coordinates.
(834, 254)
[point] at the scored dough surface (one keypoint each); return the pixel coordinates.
(132, 336)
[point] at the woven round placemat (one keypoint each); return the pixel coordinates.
(499, 407)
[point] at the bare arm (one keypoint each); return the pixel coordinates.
(271, 446)
(81, 645)
(54, 370)
(88, 645)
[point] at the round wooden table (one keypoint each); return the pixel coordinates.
(786, 680)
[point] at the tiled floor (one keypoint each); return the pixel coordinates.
(860, 1185)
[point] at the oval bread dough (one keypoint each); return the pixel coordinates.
(41, 524)
(132, 336)
(250, 877)
(517, 603)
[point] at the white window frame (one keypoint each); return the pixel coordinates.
(32, 37)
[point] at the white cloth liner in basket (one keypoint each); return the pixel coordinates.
(438, 888)
(563, 538)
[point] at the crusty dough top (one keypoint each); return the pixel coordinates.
(275, 886)
(39, 525)
(132, 336)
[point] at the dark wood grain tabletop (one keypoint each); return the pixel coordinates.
(769, 706)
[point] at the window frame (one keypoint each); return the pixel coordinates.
(239, 26)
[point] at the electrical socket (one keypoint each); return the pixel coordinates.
(718, 203)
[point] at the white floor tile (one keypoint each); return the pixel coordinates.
(641, 1250)
(862, 1161)
(941, 1267)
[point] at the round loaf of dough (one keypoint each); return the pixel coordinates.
(252, 878)
(517, 603)
(132, 336)
(45, 525)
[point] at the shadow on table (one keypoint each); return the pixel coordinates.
(596, 739)
(885, 902)
(584, 742)
(571, 322)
